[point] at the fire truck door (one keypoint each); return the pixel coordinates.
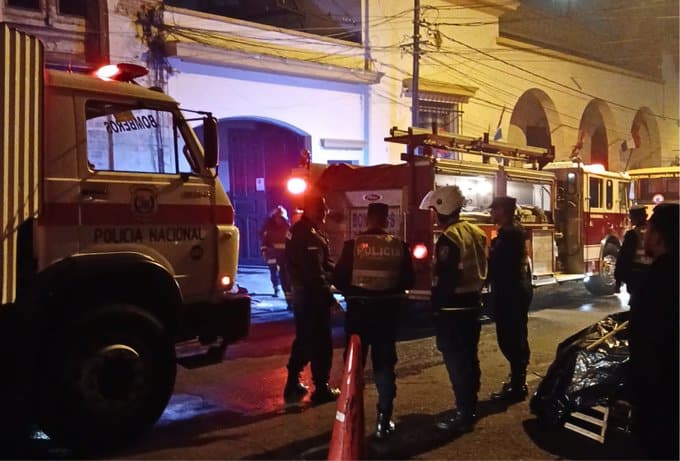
(138, 194)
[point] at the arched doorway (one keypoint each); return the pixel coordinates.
(644, 132)
(595, 127)
(256, 156)
(534, 119)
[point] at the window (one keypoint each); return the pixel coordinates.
(595, 192)
(624, 193)
(134, 139)
(649, 187)
(28, 4)
(446, 114)
(609, 194)
(478, 190)
(73, 7)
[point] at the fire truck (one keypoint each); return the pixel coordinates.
(118, 253)
(574, 214)
(655, 185)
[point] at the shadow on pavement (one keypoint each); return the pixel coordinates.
(569, 445)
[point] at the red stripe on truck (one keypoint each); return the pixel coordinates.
(97, 214)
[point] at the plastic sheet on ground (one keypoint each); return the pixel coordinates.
(590, 368)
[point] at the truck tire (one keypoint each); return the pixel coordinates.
(604, 284)
(108, 377)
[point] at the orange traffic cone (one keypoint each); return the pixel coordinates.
(347, 440)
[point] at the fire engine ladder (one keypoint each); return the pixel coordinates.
(437, 139)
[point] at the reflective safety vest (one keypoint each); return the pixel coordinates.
(471, 241)
(377, 262)
(640, 256)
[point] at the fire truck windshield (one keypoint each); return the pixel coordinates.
(647, 189)
(136, 139)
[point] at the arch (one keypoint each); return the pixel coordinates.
(644, 131)
(597, 131)
(259, 153)
(534, 120)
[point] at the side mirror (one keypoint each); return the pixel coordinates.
(210, 141)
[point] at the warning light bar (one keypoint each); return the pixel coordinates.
(121, 72)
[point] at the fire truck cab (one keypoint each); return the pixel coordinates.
(655, 185)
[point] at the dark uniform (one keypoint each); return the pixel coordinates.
(459, 271)
(654, 347)
(373, 272)
(310, 267)
(273, 237)
(511, 292)
(632, 263)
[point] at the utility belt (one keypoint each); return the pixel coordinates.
(376, 297)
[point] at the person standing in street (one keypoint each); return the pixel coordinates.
(632, 263)
(273, 248)
(373, 272)
(460, 268)
(310, 268)
(653, 338)
(511, 292)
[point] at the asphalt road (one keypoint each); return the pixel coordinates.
(234, 410)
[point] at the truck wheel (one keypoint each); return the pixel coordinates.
(604, 283)
(108, 379)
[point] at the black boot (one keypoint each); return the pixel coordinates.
(513, 391)
(294, 390)
(384, 426)
(461, 422)
(324, 393)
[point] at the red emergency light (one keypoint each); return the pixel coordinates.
(296, 185)
(419, 251)
(121, 72)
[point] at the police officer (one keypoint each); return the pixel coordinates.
(511, 293)
(632, 262)
(373, 272)
(310, 267)
(460, 267)
(653, 339)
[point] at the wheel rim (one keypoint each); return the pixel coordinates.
(607, 270)
(113, 378)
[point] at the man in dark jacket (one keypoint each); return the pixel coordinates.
(653, 339)
(373, 272)
(632, 263)
(310, 267)
(459, 271)
(511, 292)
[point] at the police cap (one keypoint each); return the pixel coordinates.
(638, 210)
(378, 210)
(507, 203)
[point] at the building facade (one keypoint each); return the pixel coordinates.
(283, 76)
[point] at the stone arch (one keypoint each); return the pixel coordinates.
(644, 131)
(534, 120)
(597, 132)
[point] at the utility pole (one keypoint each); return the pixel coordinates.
(416, 62)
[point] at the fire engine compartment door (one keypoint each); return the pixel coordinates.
(139, 193)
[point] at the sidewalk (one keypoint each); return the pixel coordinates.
(255, 279)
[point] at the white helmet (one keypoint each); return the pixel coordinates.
(445, 200)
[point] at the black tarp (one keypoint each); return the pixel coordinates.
(581, 376)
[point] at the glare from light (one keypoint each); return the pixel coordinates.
(571, 175)
(597, 168)
(484, 186)
(296, 186)
(225, 281)
(107, 72)
(419, 251)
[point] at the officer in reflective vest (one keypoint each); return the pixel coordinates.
(373, 272)
(632, 263)
(510, 297)
(460, 268)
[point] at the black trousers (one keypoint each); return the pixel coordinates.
(313, 339)
(510, 310)
(457, 340)
(278, 272)
(375, 322)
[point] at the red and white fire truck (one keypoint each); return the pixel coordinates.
(575, 214)
(118, 253)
